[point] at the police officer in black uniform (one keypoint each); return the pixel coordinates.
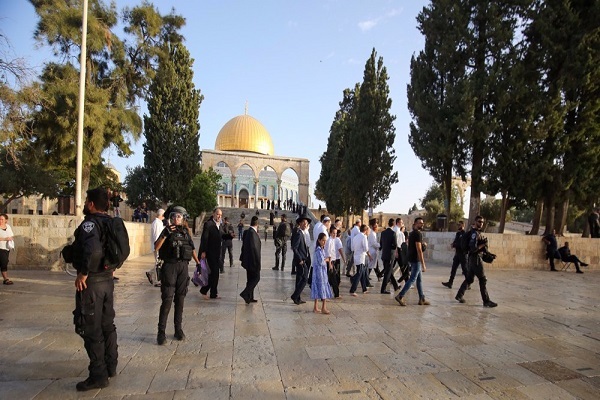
(176, 248)
(477, 246)
(94, 313)
(459, 255)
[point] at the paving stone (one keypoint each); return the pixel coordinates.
(546, 391)
(368, 348)
(550, 370)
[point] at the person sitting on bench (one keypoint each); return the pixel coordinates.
(566, 256)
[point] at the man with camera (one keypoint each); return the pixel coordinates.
(477, 250)
(176, 248)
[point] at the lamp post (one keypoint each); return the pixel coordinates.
(78, 174)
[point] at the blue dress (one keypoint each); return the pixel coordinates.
(319, 288)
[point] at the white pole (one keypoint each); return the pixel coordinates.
(78, 177)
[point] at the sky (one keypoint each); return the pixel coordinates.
(289, 60)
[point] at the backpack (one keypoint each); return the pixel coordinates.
(116, 242)
(282, 230)
(465, 241)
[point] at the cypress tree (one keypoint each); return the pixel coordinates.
(171, 151)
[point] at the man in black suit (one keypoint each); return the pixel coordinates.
(210, 249)
(250, 259)
(301, 261)
(388, 254)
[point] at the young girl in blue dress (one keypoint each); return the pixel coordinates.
(320, 289)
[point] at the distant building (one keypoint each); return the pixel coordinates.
(244, 156)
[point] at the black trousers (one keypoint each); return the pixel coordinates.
(213, 278)
(175, 279)
(475, 269)
(227, 245)
(334, 278)
(459, 258)
(252, 279)
(574, 259)
(387, 276)
(280, 248)
(301, 279)
(94, 318)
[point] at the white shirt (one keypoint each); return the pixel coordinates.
(354, 231)
(360, 247)
(155, 229)
(5, 234)
(330, 248)
(337, 244)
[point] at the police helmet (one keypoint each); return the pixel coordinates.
(178, 210)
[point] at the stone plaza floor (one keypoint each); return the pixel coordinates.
(541, 342)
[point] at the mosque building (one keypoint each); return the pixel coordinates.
(250, 171)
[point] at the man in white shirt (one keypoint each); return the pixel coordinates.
(373, 248)
(360, 250)
(322, 227)
(155, 230)
(353, 232)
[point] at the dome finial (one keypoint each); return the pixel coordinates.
(246, 108)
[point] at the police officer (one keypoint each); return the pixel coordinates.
(282, 235)
(477, 246)
(176, 248)
(94, 313)
(459, 255)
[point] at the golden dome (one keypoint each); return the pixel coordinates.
(244, 133)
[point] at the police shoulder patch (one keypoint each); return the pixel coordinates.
(88, 226)
(473, 235)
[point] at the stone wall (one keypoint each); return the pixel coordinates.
(515, 251)
(40, 238)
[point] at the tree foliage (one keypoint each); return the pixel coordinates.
(171, 150)
(137, 189)
(331, 186)
(433, 203)
(438, 97)
(118, 70)
(358, 162)
(202, 195)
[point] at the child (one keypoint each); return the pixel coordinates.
(319, 288)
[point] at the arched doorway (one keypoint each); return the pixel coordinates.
(243, 198)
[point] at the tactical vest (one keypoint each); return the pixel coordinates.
(177, 247)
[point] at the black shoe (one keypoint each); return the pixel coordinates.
(460, 299)
(296, 301)
(275, 268)
(468, 287)
(553, 269)
(584, 264)
(447, 284)
(247, 300)
(222, 271)
(579, 271)
(90, 384)
(293, 273)
(489, 304)
(253, 301)
(370, 285)
(348, 275)
(149, 277)
(112, 372)
(179, 335)
(114, 279)
(386, 292)
(161, 338)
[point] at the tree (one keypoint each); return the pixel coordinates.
(370, 156)
(331, 187)
(433, 203)
(171, 150)
(202, 195)
(438, 99)
(137, 189)
(117, 73)
(26, 178)
(562, 41)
